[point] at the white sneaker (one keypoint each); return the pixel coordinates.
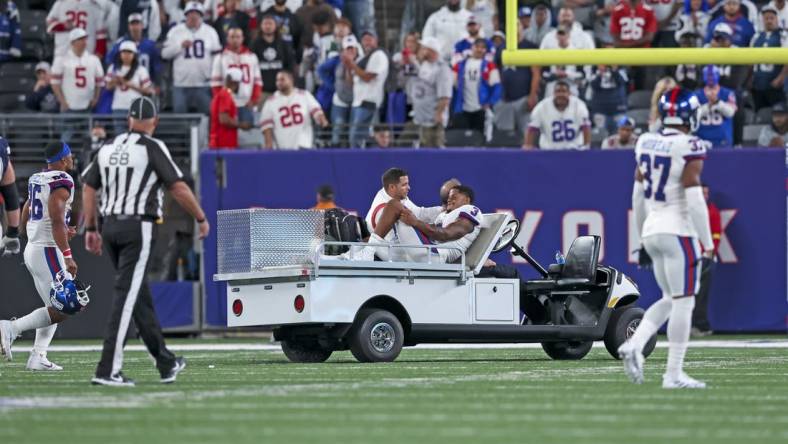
(39, 362)
(633, 362)
(683, 381)
(6, 339)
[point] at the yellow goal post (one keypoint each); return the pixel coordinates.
(512, 56)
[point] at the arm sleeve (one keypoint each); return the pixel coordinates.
(54, 25)
(651, 24)
(699, 214)
(154, 24)
(16, 37)
(162, 164)
(313, 107)
(445, 84)
(727, 107)
(171, 47)
(99, 72)
(267, 117)
(536, 118)
(615, 28)
(57, 71)
(638, 206)
(216, 73)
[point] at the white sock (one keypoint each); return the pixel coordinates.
(655, 316)
(44, 336)
(34, 320)
(678, 334)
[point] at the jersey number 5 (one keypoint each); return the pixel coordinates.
(79, 75)
(650, 165)
(36, 207)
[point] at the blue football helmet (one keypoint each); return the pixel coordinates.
(680, 107)
(68, 296)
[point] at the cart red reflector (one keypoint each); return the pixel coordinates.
(238, 307)
(299, 303)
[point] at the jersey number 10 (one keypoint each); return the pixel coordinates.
(650, 165)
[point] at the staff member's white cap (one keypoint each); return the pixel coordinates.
(76, 34)
(194, 6)
(128, 45)
(235, 74)
(431, 43)
(349, 42)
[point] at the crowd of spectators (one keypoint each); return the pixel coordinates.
(194, 56)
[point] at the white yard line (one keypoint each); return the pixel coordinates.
(779, 344)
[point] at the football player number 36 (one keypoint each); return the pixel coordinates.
(36, 207)
(649, 167)
(291, 115)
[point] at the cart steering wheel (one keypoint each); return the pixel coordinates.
(509, 234)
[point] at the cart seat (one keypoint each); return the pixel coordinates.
(581, 261)
(479, 251)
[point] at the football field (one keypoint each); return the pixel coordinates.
(233, 392)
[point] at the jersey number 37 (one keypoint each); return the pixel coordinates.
(649, 166)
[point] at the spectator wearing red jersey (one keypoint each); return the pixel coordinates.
(224, 113)
(633, 24)
(700, 315)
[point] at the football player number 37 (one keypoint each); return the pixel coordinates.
(291, 115)
(649, 166)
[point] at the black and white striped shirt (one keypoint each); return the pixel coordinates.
(129, 173)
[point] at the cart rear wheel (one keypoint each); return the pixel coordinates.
(621, 326)
(567, 350)
(305, 352)
(376, 336)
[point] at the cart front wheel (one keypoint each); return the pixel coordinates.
(376, 336)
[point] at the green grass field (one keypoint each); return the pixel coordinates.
(427, 396)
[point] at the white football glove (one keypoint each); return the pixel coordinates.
(10, 246)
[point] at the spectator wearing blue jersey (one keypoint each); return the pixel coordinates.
(743, 30)
(718, 105)
(148, 54)
(608, 96)
(10, 33)
(478, 88)
(463, 48)
(767, 80)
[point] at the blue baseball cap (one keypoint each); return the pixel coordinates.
(525, 11)
(711, 75)
(625, 121)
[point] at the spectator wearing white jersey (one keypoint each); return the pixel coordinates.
(448, 26)
(430, 94)
(578, 38)
(89, 15)
(782, 11)
(77, 77)
(192, 44)
(236, 55)
(369, 77)
(288, 114)
(129, 80)
(561, 121)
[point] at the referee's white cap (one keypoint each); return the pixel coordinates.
(142, 108)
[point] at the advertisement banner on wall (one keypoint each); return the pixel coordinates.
(557, 196)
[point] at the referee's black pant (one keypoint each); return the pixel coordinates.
(129, 243)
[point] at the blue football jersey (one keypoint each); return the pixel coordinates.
(714, 127)
(5, 156)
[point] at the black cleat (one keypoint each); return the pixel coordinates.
(169, 378)
(117, 380)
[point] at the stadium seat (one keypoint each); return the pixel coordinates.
(33, 26)
(640, 115)
(764, 116)
(597, 136)
(17, 69)
(750, 135)
(749, 116)
(32, 50)
(639, 99)
(506, 139)
(464, 138)
(11, 102)
(19, 85)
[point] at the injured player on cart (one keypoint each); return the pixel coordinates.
(457, 228)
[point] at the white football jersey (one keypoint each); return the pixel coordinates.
(40, 187)
(661, 158)
(560, 129)
(249, 65)
(192, 66)
(78, 77)
(123, 96)
(290, 118)
(90, 15)
(469, 212)
(424, 214)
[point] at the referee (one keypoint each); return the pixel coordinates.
(128, 175)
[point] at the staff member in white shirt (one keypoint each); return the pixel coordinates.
(369, 76)
(129, 80)
(77, 77)
(192, 44)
